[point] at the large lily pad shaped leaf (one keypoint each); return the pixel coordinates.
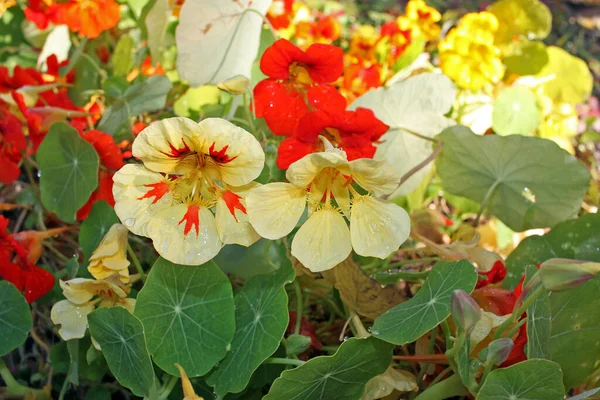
(528, 380)
(414, 106)
(515, 112)
(408, 321)
(342, 376)
(526, 182)
(525, 19)
(188, 316)
(218, 39)
(15, 318)
(261, 318)
(68, 171)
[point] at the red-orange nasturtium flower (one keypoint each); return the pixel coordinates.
(89, 18)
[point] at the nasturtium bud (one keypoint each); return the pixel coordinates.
(297, 344)
(465, 311)
(499, 350)
(236, 85)
(561, 274)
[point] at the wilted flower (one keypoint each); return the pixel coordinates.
(325, 179)
(189, 169)
(110, 257)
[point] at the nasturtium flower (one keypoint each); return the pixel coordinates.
(82, 297)
(325, 181)
(89, 18)
(186, 385)
(110, 257)
(425, 18)
(191, 173)
(468, 54)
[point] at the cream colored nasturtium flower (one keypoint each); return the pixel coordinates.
(82, 297)
(326, 181)
(110, 257)
(191, 173)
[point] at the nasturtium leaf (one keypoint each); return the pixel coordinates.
(527, 380)
(524, 19)
(585, 394)
(217, 40)
(68, 171)
(94, 227)
(577, 239)
(122, 59)
(515, 111)
(539, 323)
(342, 376)
(149, 95)
(408, 321)
(526, 57)
(575, 331)
(526, 182)
(15, 318)
(121, 337)
(188, 316)
(88, 77)
(157, 21)
(194, 98)
(261, 318)
(97, 393)
(414, 106)
(568, 78)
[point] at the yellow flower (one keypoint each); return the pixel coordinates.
(5, 5)
(325, 182)
(82, 297)
(425, 18)
(191, 171)
(188, 389)
(468, 55)
(110, 257)
(236, 85)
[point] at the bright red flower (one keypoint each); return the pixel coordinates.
(279, 105)
(12, 143)
(31, 280)
(53, 70)
(493, 276)
(42, 13)
(20, 77)
(89, 18)
(280, 13)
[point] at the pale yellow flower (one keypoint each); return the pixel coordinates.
(325, 181)
(110, 257)
(236, 85)
(191, 171)
(425, 18)
(468, 54)
(188, 389)
(82, 297)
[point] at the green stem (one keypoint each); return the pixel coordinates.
(248, 113)
(136, 262)
(517, 313)
(56, 252)
(15, 388)
(458, 344)
(441, 376)
(415, 261)
(444, 389)
(516, 327)
(485, 201)
(334, 307)
(286, 361)
(393, 277)
(299, 303)
(167, 388)
(430, 351)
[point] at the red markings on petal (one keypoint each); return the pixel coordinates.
(220, 156)
(178, 152)
(158, 191)
(192, 219)
(232, 201)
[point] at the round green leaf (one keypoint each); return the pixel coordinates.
(15, 318)
(568, 77)
(261, 318)
(527, 380)
(68, 171)
(526, 182)
(342, 376)
(121, 337)
(529, 19)
(526, 57)
(188, 316)
(408, 321)
(515, 111)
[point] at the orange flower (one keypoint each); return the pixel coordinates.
(90, 17)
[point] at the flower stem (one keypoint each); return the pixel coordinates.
(286, 361)
(517, 313)
(299, 303)
(444, 389)
(15, 388)
(136, 262)
(167, 388)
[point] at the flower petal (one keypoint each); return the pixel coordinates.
(139, 193)
(303, 172)
(72, 318)
(377, 227)
(323, 241)
(185, 234)
(375, 175)
(238, 155)
(165, 143)
(275, 209)
(232, 218)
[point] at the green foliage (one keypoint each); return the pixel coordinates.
(527, 380)
(515, 112)
(94, 227)
(539, 323)
(526, 19)
(121, 337)
(342, 376)
(68, 171)
(526, 57)
(261, 317)
(15, 318)
(526, 182)
(188, 316)
(122, 59)
(408, 321)
(147, 96)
